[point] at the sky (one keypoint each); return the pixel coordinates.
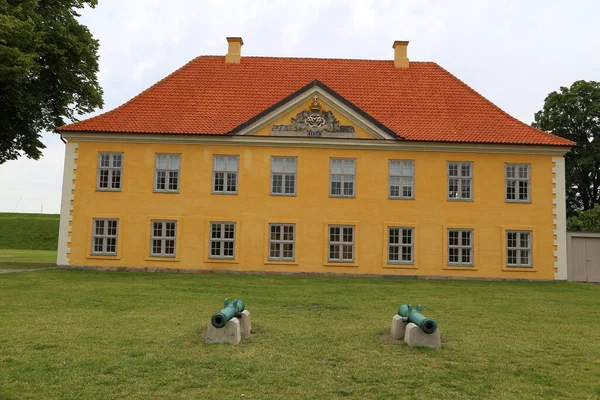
(513, 52)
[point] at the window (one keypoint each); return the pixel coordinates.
(163, 238)
(166, 174)
(225, 171)
(222, 240)
(283, 176)
(518, 249)
(517, 182)
(110, 170)
(460, 180)
(341, 243)
(281, 242)
(104, 237)
(460, 247)
(402, 178)
(342, 178)
(400, 245)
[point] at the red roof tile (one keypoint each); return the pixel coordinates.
(423, 102)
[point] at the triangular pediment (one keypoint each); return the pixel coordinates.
(315, 110)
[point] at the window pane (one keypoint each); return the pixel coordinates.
(231, 182)
(288, 250)
(162, 161)
(395, 167)
(228, 249)
(523, 171)
(169, 246)
(290, 166)
(277, 186)
(173, 180)
(347, 252)
(466, 256)
(216, 231)
(274, 251)
(105, 160)
(275, 232)
(117, 160)
(288, 232)
(219, 163)
(465, 170)
(219, 183)
(406, 236)
(453, 238)
(452, 169)
(334, 234)
(393, 254)
(407, 254)
(156, 246)
(407, 168)
(215, 248)
(348, 188)
(394, 236)
(510, 171)
(336, 166)
(336, 185)
(466, 238)
(524, 240)
(512, 256)
(348, 166)
(174, 161)
(103, 178)
(348, 234)
(334, 252)
(290, 183)
(98, 245)
(466, 189)
(157, 229)
(453, 255)
(229, 231)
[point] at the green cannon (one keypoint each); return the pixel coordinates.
(230, 310)
(409, 314)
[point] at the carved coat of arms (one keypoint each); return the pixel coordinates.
(315, 122)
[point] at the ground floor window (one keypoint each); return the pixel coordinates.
(518, 249)
(400, 245)
(163, 239)
(281, 242)
(341, 243)
(104, 237)
(460, 247)
(222, 240)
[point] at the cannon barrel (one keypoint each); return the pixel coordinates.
(230, 310)
(409, 314)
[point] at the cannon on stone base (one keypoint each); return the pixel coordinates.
(409, 314)
(230, 310)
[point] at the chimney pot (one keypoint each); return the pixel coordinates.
(400, 54)
(234, 51)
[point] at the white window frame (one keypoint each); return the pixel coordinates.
(517, 180)
(460, 247)
(463, 181)
(519, 250)
(281, 241)
(221, 240)
(341, 243)
(112, 170)
(163, 238)
(170, 172)
(228, 173)
(286, 171)
(401, 244)
(342, 177)
(105, 236)
(405, 178)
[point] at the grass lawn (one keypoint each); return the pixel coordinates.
(29, 231)
(68, 334)
(27, 256)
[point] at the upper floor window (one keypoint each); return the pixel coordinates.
(341, 243)
(104, 237)
(518, 249)
(460, 247)
(222, 240)
(283, 176)
(164, 235)
(517, 182)
(110, 171)
(400, 245)
(460, 180)
(402, 176)
(225, 174)
(166, 173)
(342, 177)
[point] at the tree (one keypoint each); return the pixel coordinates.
(48, 67)
(574, 113)
(586, 221)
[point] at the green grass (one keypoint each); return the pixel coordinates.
(67, 334)
(27, 256)
(29, 231)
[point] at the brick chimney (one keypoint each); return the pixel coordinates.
(234, 52)
(400, 58)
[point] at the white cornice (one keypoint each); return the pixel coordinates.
(309, 142)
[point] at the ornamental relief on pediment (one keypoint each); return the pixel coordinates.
(314, 122)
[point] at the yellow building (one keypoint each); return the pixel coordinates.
(314, 165)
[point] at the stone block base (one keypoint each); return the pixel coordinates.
(246, 323)
(398, 327)
(230, 333)
(415, 337)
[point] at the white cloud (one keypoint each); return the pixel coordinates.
(513, 52)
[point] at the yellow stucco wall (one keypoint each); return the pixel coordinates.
(371, 210)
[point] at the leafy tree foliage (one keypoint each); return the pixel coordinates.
(586, 221)
(574, 113)
(48, 67)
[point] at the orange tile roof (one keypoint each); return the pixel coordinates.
(423, 102)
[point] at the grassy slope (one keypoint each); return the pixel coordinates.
(28, 231)
(85, 334)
